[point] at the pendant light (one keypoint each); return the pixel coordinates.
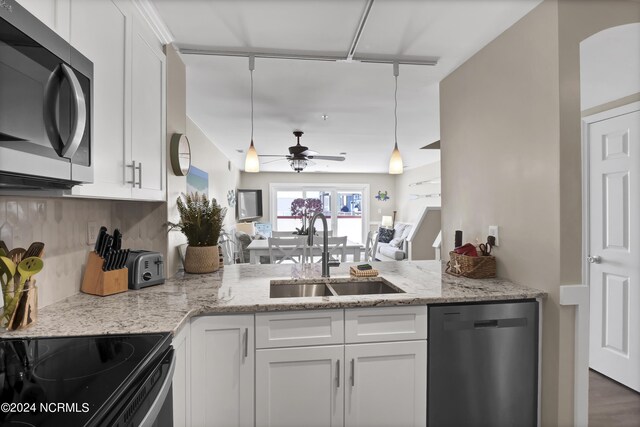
(395, 163)
(251, 161)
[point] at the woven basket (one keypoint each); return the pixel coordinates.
(363, 273)
(201, 259)
(473, 267)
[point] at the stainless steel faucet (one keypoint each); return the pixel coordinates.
(325, 242)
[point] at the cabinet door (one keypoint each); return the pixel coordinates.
(301, 386)
(147, 114)
(104, 42)
(386, 384)
(222, 368)
(53, 13)
(182, 378)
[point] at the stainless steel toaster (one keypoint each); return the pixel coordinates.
(146, 268)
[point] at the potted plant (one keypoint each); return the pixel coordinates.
(201, 222)
(305, 208)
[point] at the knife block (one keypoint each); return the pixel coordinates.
(103, 283)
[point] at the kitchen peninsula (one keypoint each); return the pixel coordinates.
(245, 289)
(242, 355)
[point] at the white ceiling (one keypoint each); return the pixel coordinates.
(357, 97)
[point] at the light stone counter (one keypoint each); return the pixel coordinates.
(245, 289)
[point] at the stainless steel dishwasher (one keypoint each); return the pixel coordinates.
(483, 365)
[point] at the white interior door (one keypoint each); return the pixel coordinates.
(614, 232)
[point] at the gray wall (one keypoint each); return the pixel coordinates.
(510, 131)
(204, 155)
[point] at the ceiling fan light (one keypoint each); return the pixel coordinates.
(251, 161)
(396, 166)
(298, 165)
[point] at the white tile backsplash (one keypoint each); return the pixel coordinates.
(62, 225)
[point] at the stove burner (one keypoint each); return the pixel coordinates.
(83, 360)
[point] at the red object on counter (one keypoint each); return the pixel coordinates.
(467, 249)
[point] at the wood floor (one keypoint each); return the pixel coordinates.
(612, 404)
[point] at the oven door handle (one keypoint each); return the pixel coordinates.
(156, 406)
(68, 149)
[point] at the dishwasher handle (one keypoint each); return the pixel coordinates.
(485, 324)
(462, 325)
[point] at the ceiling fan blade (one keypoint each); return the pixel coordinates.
(333, 158)
(273, 161)
(272, 155)
(309, 153)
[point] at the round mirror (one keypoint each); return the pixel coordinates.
(180, 154)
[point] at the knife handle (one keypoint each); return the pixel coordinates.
(101, 234)
(108, 245)
(117, 239)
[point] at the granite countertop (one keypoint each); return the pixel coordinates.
(244, 288)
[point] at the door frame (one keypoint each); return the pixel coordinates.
(579, 295)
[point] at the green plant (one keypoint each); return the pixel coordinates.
(200, 219)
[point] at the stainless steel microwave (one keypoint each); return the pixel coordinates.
(46, 95)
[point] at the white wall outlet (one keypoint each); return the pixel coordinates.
(92, 232)
(493, 231)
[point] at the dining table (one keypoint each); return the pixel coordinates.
(260, 248)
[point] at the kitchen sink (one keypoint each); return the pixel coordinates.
(327, 289)
(365, 288)
(300, 290)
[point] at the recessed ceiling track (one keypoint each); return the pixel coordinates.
(356, 37)
(317, 56)
(310, 56)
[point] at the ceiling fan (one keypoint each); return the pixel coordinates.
(299, 155)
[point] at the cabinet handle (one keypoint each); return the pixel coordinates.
(245, 340)
(353, 372)
(140, 175)
(338, 373)
(133, 174)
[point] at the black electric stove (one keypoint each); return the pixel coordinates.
(82, 381)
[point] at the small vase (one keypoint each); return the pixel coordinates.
(20, 308)
(201, 259)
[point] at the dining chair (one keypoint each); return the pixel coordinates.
(337, 247)
(287, 249)
(371, 246)
(276, 233)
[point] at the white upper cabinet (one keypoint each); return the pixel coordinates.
(147, 114)
(54, 14)
(104, 42)
(129, 142)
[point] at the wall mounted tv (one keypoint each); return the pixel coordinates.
(248, 205)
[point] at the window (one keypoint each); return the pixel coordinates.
(343, 205)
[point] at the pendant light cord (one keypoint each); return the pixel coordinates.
(395, 112)
(251, 71)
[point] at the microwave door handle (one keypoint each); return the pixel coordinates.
(50, 95)
(70, 148)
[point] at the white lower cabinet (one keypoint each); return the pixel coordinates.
(300, 386)
(386, 384)
(382, 382)
(222, 367)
